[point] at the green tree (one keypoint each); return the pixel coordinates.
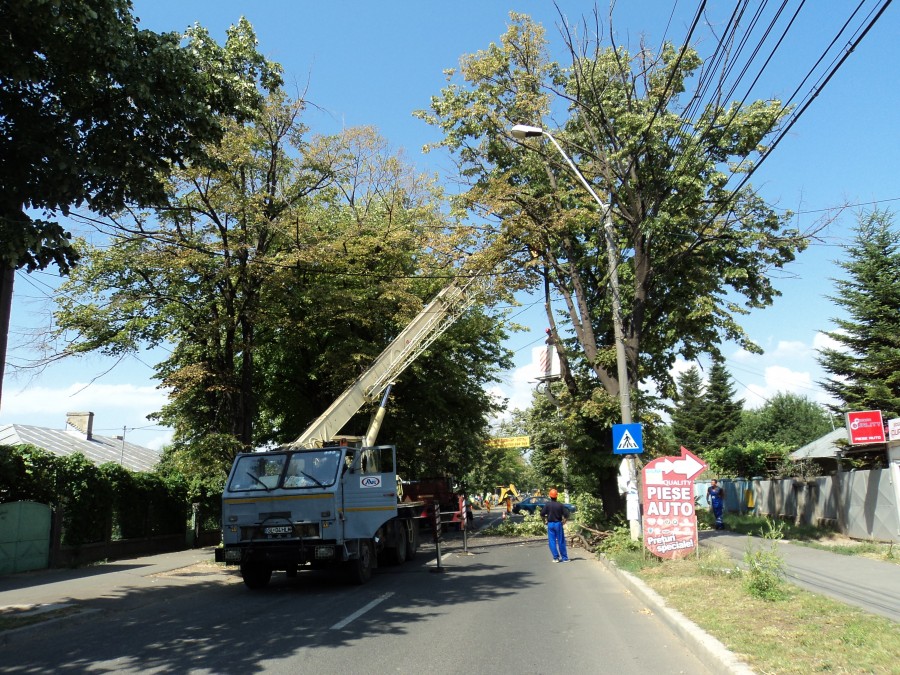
(865, 368)
(95, 112)
(688, 415)
(755, 458)
(693, 245)
(278, 275)
(787, 419)
(693, 252)
(721, 412)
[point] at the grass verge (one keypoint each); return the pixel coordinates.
(799, 633)
(802, 633)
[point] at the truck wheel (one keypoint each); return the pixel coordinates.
(412, 539)
(256, 575)
(397, 554)
(360, 569)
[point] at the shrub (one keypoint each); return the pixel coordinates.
(765, 566)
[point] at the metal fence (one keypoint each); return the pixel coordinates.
(859, 504)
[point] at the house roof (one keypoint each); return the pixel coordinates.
(826, 447)
(98, 449)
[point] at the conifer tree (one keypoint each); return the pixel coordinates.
(721, 412)
(865, 369)
(688, 420)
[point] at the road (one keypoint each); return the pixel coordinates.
(872, 585)
(504, 607)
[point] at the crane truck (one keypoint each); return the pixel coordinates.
(330, 501)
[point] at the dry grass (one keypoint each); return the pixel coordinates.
(804, 633)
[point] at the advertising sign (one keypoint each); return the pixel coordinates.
(894, 429)
(509, 442)
(670, 521)
(865, 426)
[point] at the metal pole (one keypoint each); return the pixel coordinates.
(612, 255)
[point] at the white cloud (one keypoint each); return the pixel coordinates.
(115, 406)
(822, 341)
(791, 349)
(80, 396)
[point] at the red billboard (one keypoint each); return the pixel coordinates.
(865, 426)
(670, 521)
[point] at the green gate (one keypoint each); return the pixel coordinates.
(24, 537)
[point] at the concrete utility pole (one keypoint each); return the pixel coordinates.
(523, 131)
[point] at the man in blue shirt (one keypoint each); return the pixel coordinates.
(555, 514)
(715, 497)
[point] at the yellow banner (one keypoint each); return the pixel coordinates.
(509, 442)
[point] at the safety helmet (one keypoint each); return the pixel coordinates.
(553, 493)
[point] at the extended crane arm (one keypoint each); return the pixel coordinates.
(424, 329)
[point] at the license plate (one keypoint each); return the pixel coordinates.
(324, 551)
(279, 529)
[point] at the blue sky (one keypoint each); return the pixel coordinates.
(367, 63)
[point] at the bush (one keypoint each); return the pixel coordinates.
(97, 502)
(530, 525)
(765, 567)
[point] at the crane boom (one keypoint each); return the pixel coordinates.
(424, 329)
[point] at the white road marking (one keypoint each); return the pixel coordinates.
(358, 613)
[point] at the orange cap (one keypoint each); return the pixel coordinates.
(553, 493)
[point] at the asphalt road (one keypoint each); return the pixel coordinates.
(503, 608)
(872, 585)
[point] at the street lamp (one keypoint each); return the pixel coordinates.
(521, 132)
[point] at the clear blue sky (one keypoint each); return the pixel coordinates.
(367, 63)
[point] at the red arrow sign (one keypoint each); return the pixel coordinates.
(670, 523)
(688, 465)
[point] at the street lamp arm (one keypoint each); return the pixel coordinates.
(523, 131)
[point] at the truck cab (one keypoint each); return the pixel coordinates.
(333, 506)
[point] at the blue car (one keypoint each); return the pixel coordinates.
(532, 504)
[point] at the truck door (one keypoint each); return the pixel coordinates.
(370, 492)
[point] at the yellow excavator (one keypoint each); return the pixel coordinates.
(507, 494)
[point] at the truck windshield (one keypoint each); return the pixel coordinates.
(258, 472)
(304, 469)
(313, 468)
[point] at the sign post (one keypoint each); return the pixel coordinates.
(670, 520)
(628, 440)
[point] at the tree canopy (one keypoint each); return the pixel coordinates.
(865, 366)
(787, 419)
(275, 274)
(688, 414)
(693, 252)
(94, 110)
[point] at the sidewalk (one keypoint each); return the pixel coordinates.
(872, 585)
(95, 586)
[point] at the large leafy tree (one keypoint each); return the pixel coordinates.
(277, 275)
(693, 252)
(865, 369)
(95, 112)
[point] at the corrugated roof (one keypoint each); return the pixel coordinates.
(99, 450)
(826, 447)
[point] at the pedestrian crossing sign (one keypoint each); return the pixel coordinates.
(628, 439)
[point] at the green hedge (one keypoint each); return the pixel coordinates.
(98, 503)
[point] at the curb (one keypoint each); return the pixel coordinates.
(712, 653)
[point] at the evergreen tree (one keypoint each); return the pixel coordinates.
(688, 421)
(721, 413)
(865, 369)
